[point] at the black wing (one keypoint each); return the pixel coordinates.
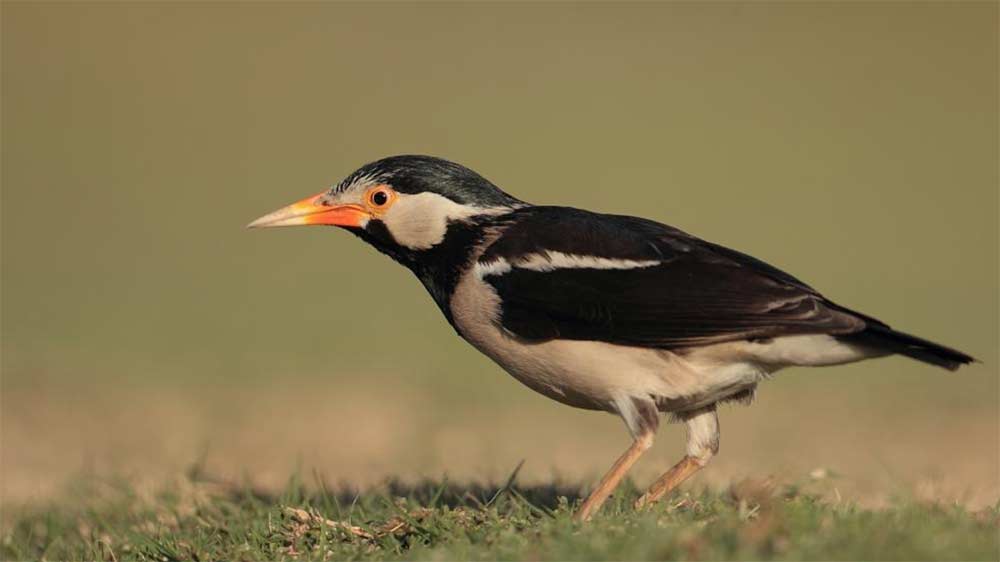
(651, 285)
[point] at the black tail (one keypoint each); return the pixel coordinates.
(882, 337)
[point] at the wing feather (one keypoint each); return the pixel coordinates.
(678, 291)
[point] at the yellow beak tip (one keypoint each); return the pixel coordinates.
(287, 216)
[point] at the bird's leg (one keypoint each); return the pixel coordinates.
(614, 476)
(670, 480)
(642, 420)
(702, 444)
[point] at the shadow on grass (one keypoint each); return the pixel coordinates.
(426, 492)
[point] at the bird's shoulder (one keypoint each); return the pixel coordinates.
(544, 230)
(536, 229)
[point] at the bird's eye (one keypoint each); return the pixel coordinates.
(379, 197)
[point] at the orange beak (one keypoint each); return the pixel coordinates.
(311, 211)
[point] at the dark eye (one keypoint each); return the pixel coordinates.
(379, 198)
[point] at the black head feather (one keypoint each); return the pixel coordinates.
(409, 173)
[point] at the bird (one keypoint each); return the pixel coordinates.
(603, 312)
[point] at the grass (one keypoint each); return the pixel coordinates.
(195, 519)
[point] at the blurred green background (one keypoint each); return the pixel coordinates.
(143, 328)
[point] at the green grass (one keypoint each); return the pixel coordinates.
(195, 520)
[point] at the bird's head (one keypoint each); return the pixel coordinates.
(402, 204)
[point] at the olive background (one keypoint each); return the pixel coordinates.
(144, 329)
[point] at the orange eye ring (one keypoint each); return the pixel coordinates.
(380, 197)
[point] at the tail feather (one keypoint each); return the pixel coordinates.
(882, 337)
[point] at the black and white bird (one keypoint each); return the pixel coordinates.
(603, 312)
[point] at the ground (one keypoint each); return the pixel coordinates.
(187, 470)
(198, 518)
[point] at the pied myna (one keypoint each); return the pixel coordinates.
(603, 312)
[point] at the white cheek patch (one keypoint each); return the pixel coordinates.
(420, 221)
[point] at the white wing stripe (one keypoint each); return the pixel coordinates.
(551, 261)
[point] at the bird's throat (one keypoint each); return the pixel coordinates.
(439, 267)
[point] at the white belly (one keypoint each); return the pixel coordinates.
(593, 374)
